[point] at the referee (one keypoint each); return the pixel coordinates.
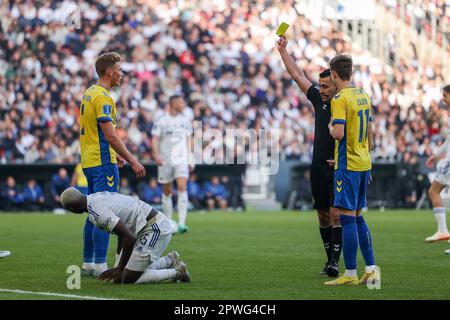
(322, 162)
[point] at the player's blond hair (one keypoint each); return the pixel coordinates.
(104, 61)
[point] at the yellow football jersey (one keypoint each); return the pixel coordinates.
(96, 106)
(81, 178)
(351, 107)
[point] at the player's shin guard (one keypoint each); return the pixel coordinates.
(336, 243)
(365, 241)
(153, 276)
(350, 241)
(167, 205)
(88, 242)
(101, 244)
(182, 207)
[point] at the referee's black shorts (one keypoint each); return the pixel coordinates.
(321, 176)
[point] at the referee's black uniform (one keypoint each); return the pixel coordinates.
(321, 173)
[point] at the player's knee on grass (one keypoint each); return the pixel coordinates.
(129, 276)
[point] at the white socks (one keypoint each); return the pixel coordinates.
(157, 272)
(182, 207)
(439, 215)
(153, 276)
(351, 273)
(88, 266)
(167, 205)
(161, 263)
(101, 267)
(369, 269)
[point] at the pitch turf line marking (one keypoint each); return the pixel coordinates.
(55, 294)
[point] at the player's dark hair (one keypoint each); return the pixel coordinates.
(447, 88)
(104, 61)
(325, 73)
(174, 97)
(342, 65)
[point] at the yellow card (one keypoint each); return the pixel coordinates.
(282, 29)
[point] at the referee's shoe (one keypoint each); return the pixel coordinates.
(331, 269)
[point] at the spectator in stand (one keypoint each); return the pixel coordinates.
(11, 194)
(215, 194)
(194, 191)
(192, 52)
(125, 187)
(60, 182)
(33, 196)
(152, 192)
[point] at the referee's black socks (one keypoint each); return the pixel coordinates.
(326, 234)
(336, 243)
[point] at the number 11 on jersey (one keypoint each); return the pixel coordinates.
(361, 124)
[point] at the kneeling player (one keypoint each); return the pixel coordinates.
(143, 232)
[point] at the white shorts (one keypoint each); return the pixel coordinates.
(151, 242)
(167, 173)
(443, 173)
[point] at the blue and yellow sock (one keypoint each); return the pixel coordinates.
(365, 241)
(349, 241)
(88, 242)
(101, 244)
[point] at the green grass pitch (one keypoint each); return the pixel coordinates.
(250, 255)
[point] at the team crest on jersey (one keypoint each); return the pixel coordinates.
(107, 108)
(337, 96)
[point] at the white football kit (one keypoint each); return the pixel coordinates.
(153, 236)
(443, 166)
(174, 133)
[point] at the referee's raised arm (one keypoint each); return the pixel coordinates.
(296, 73)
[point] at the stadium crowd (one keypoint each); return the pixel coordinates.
(221, 59)
(220, 55)
(420, 13)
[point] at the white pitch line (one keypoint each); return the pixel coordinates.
(54, 294)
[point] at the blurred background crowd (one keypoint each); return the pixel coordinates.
(220, 55)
